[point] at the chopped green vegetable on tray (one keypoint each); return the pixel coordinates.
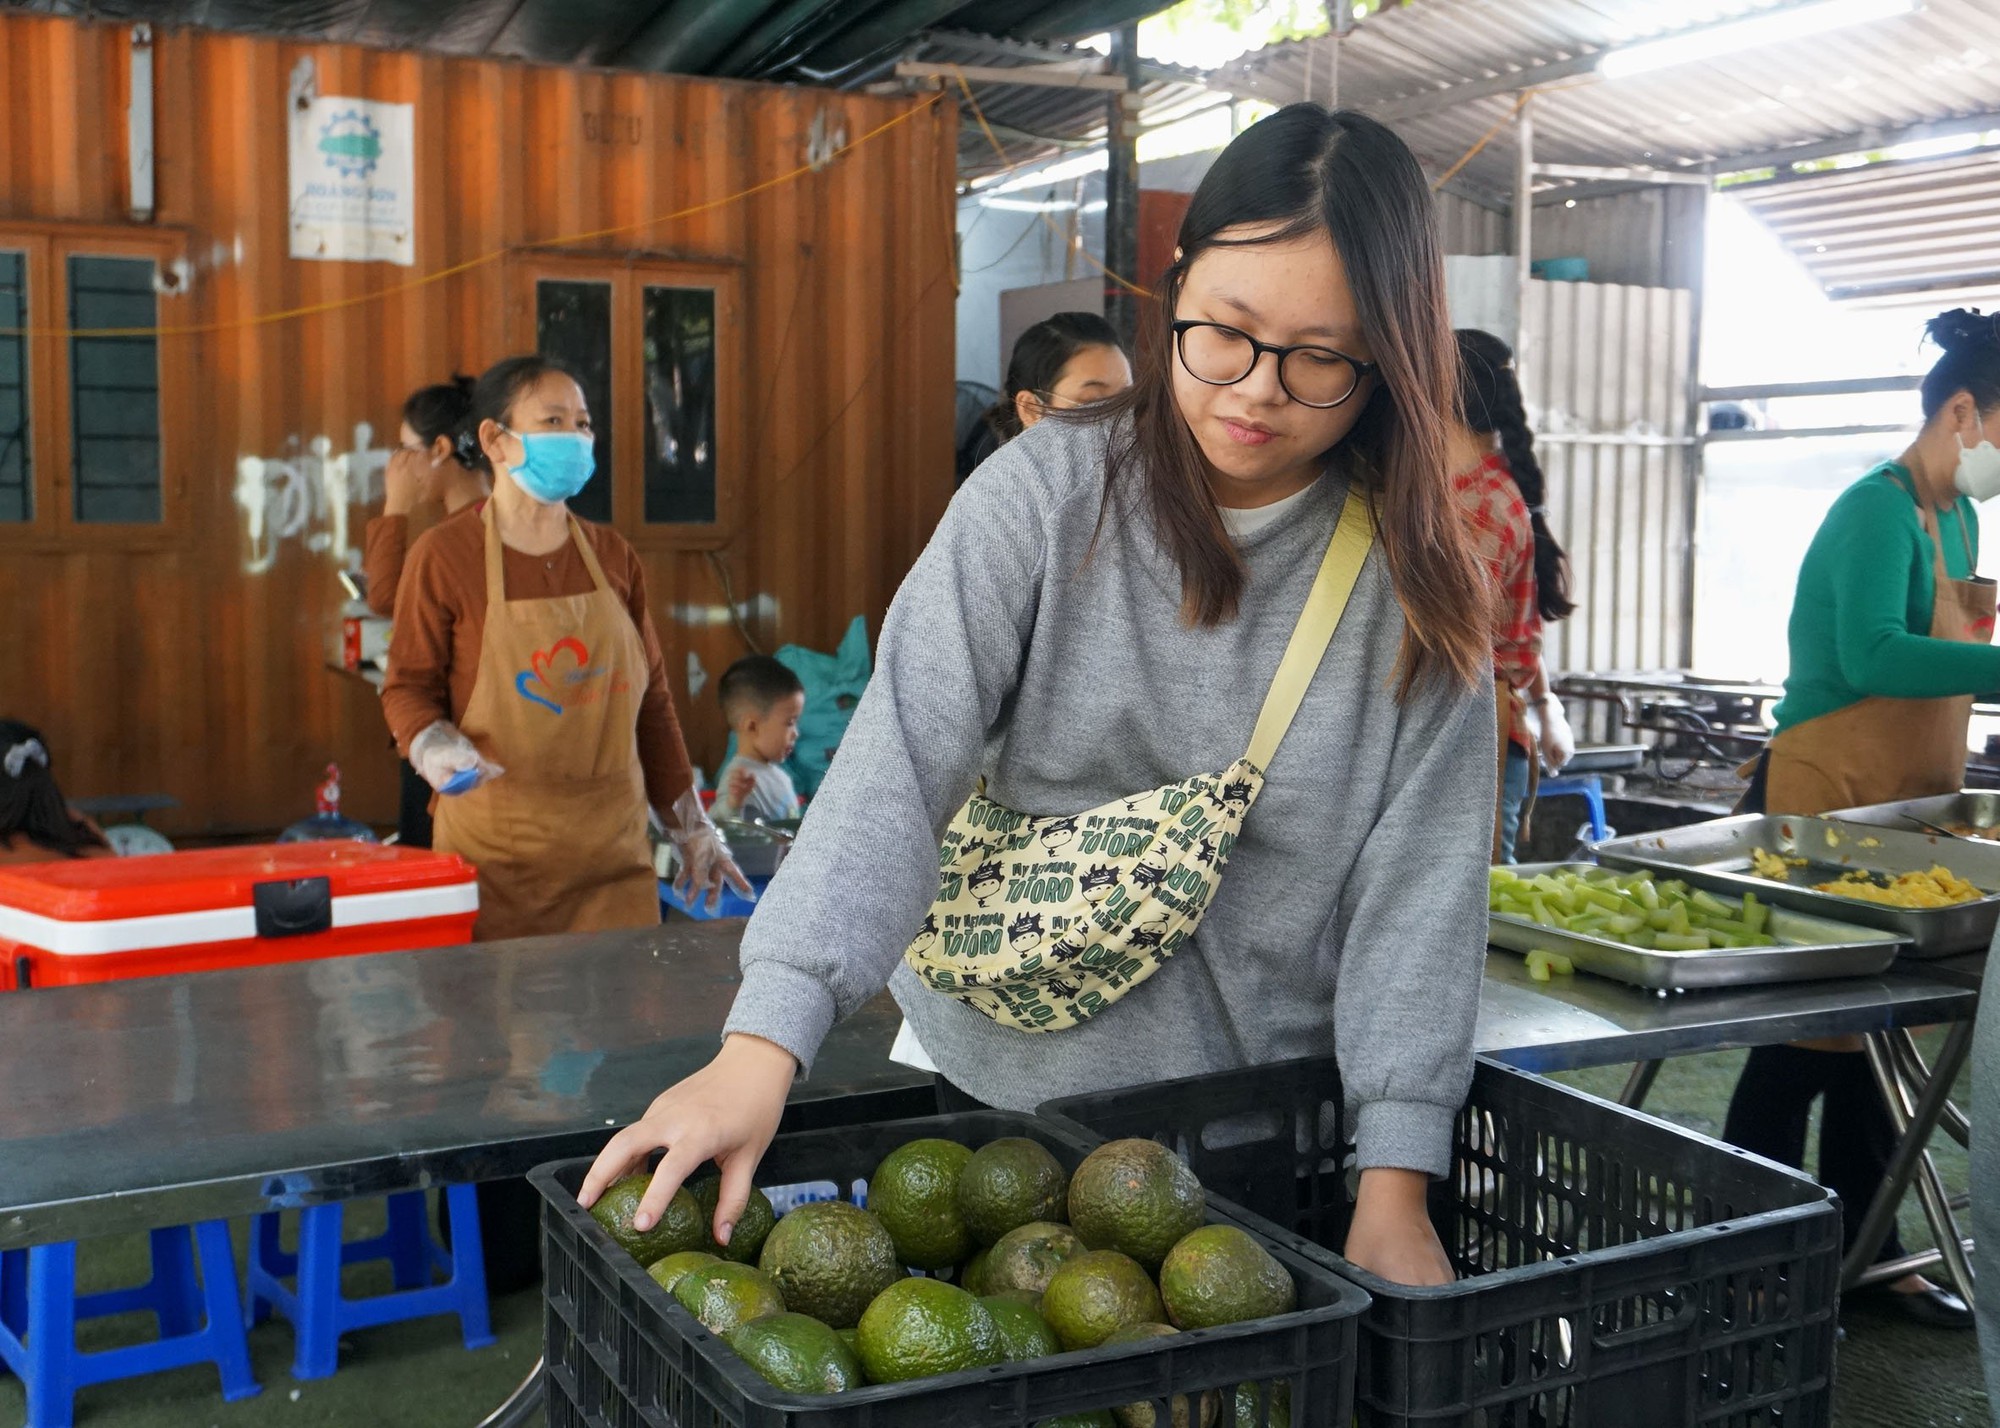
(1542, 965)
(1631, 908)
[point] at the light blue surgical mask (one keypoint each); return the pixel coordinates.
(556, 464)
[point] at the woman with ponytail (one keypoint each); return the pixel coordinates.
(1500, 484)
(431, 465)
(1891, 639)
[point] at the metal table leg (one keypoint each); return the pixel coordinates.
(524, 1404)
(1639, 1084)
(1917, 1073)
(1915, 1118)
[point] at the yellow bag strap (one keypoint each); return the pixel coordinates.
(1325, 604)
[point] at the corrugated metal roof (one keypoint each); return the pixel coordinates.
(823, 40)
(1941, 62)
(848, 43)
(1889, 230)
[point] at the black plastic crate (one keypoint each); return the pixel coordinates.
(1616, 1271)
(622, 1353)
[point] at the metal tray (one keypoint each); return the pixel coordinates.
(1716, 856)
(758, 848)
(1978, 807)
(1813, 948)
(1606, 759)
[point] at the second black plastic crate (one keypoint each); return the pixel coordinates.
(623, 1354)
(1615, 1271)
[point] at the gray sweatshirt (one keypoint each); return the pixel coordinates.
(1352, 915)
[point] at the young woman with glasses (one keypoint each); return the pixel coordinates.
(1103, 609)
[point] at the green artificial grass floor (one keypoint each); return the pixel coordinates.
(1890, 1372)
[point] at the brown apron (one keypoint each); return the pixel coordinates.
(559, 839)
(1884, 750)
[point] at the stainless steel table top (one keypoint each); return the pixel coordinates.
(166, 1100)
(1576, 1021)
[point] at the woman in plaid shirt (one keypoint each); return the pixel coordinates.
(1500, 484)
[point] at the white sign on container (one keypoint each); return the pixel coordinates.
(353, 181)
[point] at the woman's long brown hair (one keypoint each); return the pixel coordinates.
(1308, 170)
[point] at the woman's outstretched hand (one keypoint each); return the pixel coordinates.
(726, 1112)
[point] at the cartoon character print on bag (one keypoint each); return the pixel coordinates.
(1058, 835)
(1044, 922)
(1097, 882)
(987, 880)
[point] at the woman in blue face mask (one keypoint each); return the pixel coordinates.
(527, 686)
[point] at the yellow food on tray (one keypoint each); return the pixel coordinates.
(1772, 868)
(1972, 830)
(1940, 887)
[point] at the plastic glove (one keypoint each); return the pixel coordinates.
(704, 858)
(1558, 740)
(447, 760)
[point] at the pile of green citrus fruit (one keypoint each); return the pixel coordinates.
(1018, 1259)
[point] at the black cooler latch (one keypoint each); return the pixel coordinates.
(293, 908)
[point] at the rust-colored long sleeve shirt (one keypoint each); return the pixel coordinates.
(440, 614)
(385, 542)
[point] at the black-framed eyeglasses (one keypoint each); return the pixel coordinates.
(1312, 376)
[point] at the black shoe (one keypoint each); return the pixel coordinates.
(1935, 1308)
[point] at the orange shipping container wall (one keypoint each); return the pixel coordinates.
(187, 655)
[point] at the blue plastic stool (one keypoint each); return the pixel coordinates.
(1589, 787)
(200, 1319)
(319, 1313)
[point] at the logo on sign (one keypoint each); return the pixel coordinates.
(351, 145)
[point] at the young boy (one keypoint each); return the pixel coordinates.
(762, 700)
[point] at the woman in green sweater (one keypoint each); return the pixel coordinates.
(1891, 638)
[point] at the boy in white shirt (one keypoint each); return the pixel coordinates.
(762, 700)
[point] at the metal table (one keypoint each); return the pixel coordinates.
(163, 1101)
(1571, 1023)
(231, 1093)
(1575, 1022)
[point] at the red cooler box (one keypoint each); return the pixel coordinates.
(102, 919)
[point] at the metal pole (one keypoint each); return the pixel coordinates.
(1340, 20)
(1121, 187)
(1524, 224)
(1697, 277)
(1639, 1084)
(1917, 1072)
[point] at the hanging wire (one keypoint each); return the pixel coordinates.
(1484, 139)
(1008, 167)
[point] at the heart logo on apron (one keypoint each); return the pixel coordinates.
(538, 672)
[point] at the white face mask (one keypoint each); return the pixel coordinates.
(1978, 474)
